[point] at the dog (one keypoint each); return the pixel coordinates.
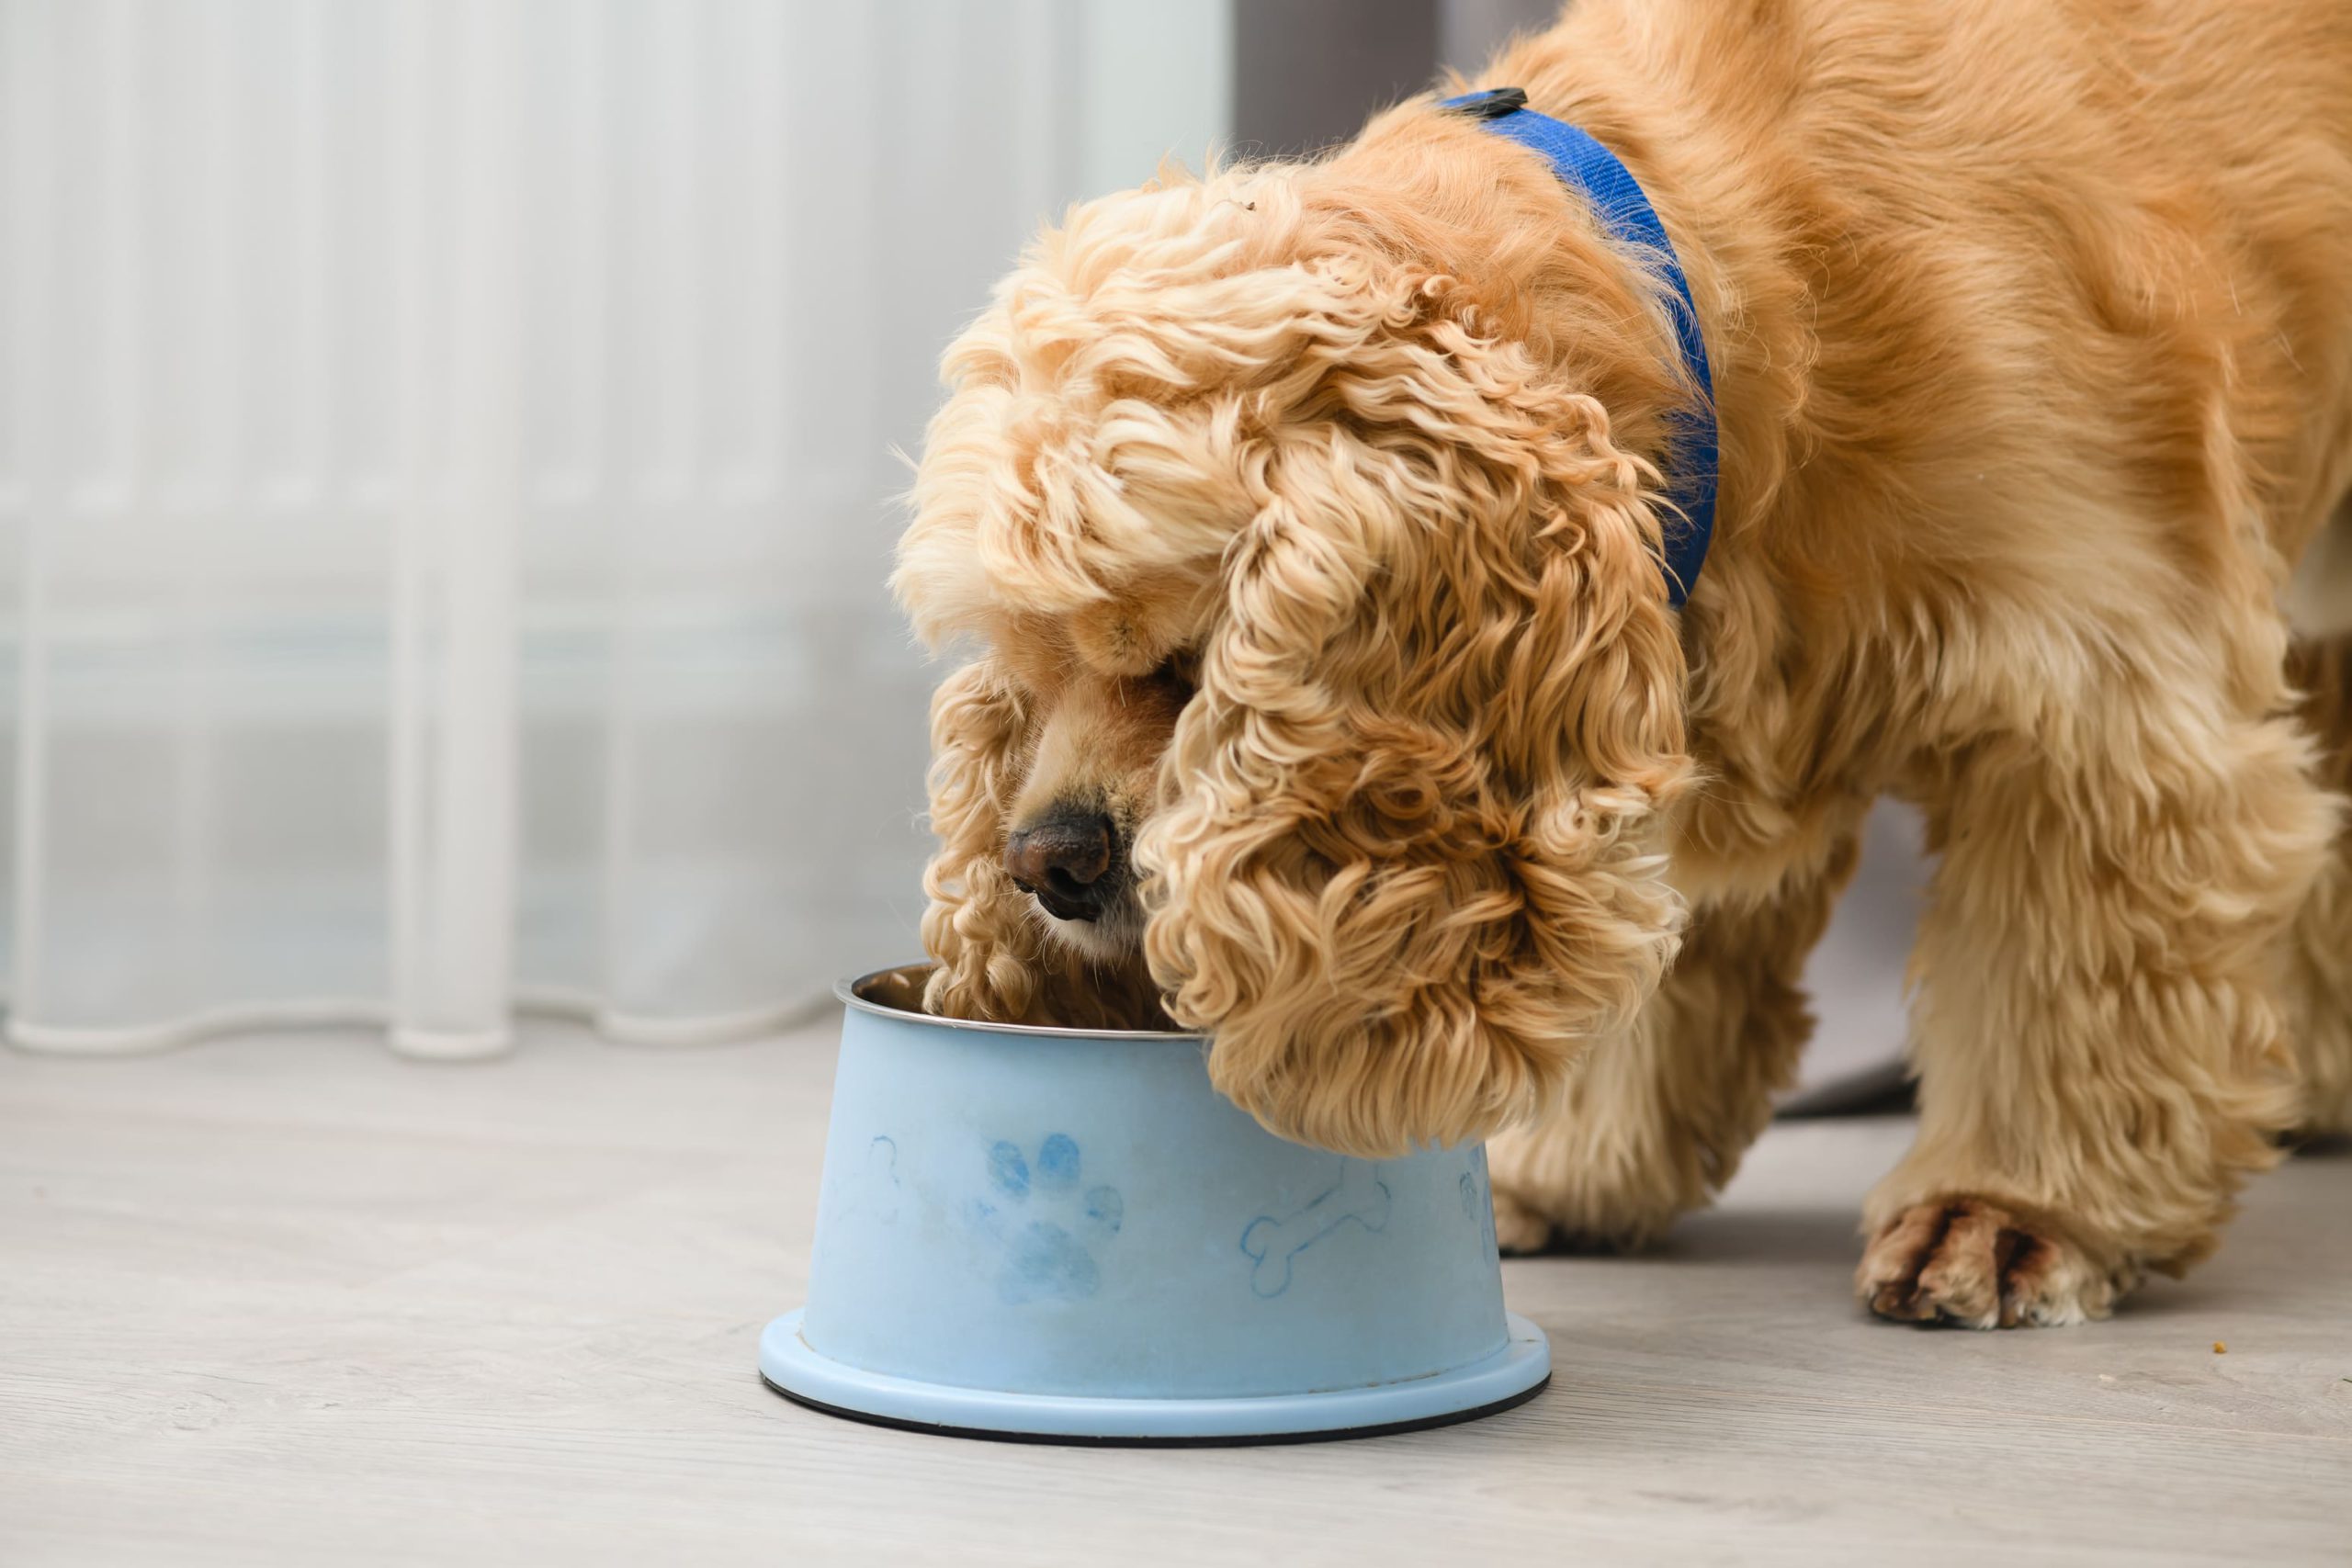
(1330, 697)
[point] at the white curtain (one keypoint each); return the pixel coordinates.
(446, 483)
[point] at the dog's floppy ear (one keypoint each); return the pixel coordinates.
(986, 950)
(1410, 857)
(993, 961)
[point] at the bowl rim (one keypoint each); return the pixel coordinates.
(847, 992)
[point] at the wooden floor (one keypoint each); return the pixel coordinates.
(292, 1301)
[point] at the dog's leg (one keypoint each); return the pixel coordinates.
(1654, 1123)
(2099, 1032)
(2318, 979)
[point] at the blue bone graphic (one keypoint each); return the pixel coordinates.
(1359, 1195)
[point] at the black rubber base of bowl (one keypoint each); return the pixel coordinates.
(1267, 1439)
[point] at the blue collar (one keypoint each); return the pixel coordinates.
(1586, 165)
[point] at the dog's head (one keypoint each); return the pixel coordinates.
(1327, 694)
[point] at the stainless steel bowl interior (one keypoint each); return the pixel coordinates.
(898, 993)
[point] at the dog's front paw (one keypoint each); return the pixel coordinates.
(1523, 1230)
(1973, 1264)
(1572, 1194)
(1520, 1230)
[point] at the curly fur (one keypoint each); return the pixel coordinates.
(995, 960)
(1411, 855)
(1307, 516)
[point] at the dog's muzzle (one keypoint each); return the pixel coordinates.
(1065, 861)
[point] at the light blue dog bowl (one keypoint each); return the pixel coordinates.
(1067, 1236)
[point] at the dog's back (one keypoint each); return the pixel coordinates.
(2140, 208)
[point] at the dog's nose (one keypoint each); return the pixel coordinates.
(1063, 861)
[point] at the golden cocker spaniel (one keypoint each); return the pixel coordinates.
(1330, 698)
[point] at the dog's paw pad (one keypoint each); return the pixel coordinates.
(1973, 1264)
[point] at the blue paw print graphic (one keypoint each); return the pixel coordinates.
(1047, 1224)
